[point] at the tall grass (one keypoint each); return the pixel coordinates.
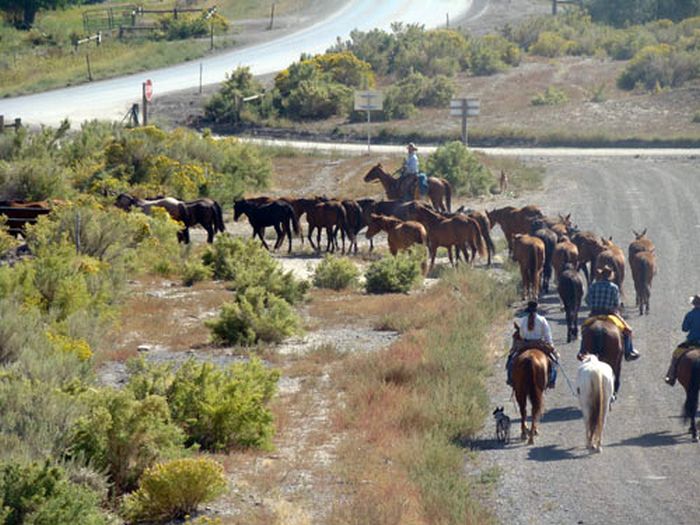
(414, 402)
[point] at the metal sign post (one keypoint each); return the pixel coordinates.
(369, 101)
(463, 108)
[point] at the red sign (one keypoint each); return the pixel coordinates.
(148, 90)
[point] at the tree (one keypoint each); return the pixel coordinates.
(622, 13)
(23, 12)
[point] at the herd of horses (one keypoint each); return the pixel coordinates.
(542, 246)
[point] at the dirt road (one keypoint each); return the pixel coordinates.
(648, 471)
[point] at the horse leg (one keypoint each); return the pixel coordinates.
(280, 236)
(261, 234)
(449, 254)
(288, 226)
(311, 241)
(330, 245)
(522, 404)
(433, 252)
(210, 233)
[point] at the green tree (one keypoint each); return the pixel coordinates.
(23, 12)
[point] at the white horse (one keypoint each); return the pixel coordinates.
(595, 386)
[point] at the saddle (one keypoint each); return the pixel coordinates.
(520, 345)
(684, 348)
(612, 318)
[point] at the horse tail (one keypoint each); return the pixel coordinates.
(532, 270)
(448, 195)
(597, 406)
(598, 346)
(486, 232)
(480, 244)
(219, 217)
(343, 220)
(691, 397)
(295, 223)
(538, 383)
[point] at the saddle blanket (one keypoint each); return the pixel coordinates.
(611, 318)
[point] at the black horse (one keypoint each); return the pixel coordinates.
(278, 214)
(549, 238)
(570, 288)
(207, 213)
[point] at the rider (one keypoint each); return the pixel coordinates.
(691, 324)
(410, 165)
(534, 329)
(604, 299)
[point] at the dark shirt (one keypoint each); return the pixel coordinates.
(603, 296)
(691, 324)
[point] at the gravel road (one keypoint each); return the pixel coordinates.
(648, 470)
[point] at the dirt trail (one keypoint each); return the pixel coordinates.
(648, 471)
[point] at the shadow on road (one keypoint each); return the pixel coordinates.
(556, 415)
(652, 439)
(551, 453)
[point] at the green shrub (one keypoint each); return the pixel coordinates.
(456, 163)
(255, 315)
(245, 263)
(395, 274)
(227, 105)
(550, 97)
(336, 273)
(661, 65)
(551, 45)
(175, 489)
(123, 436)
(41, 495)
(220, 409)
(194, 272)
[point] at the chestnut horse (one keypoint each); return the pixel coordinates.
(484, 226)
(528, 252)
(570, 288)
(614, 257)
(530, 376)
(175, 208)
(439, 190)
(514, 220)
(457, 231)
(565, 252)
(549, 239)
(641, 243)
(643, 266)
(401, 234)
(589, 246)
(603, 338)
(325, 213)
(689, 376)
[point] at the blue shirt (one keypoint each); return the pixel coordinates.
(691, 324)
(411, 164)
(603, 295)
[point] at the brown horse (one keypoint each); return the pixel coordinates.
(325, 214)
(530, 376)
(514, 220)
(613, 256)
(439, 190)
(561, 225)
(643, 266)
(549, 239)
(641, 243)
(484, 226)
(570, 289)
(208, 214)
(528, 252)
(589, 246)
(689, 376)
(401, 235)
(565, 252)
(175, 208)
(458, 231)
(603, 338)
(21, 213)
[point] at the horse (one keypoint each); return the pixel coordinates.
(353, 212)
(21, 213)
(208, 214)
(484, 226)
(530, 376)
(561, 225)
(689, 376)
(570, 289)
(514, 220)
(594, 385)
(528, 252)
(439, 190)
(565, 252)
(641, 243)
(613, 256)
(328, 214)
(549, 239)
(401, 235)
(643, 266)
(457, 231)
(175, 208)
(603, 338)
(589, 246)
(278, 214)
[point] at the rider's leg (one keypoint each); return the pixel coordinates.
(630, 353)
(509, 369)
(552, 374)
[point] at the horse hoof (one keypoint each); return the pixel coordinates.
(524, 436)
(695, 439)
(536, 432)
(530, 441)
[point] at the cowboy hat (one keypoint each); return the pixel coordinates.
(695, 300)
(606, 271)
(412, 146)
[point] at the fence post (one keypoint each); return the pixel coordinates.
(18, 124)
(2, 124)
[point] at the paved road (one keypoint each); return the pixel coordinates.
(110, 99)
(648, 471)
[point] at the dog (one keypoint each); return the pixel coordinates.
(502, 426)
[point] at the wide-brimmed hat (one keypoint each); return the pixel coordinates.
(695, 300)
(412, 146)
(605, 272)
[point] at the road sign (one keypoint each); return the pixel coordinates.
(463, 108)
(369, 100)
(148, 90)
(458, 112)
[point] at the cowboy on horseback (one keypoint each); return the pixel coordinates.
(604, 300)
(691, 324)
(411, 171)
(535, 332)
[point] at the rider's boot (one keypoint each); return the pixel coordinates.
(671, 373)
(630, 353)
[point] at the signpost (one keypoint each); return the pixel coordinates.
(369, 101)
(464, 107)
(147, 96)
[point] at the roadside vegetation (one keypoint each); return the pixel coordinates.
(41, 54)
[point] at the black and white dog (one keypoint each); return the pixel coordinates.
(502, 426)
